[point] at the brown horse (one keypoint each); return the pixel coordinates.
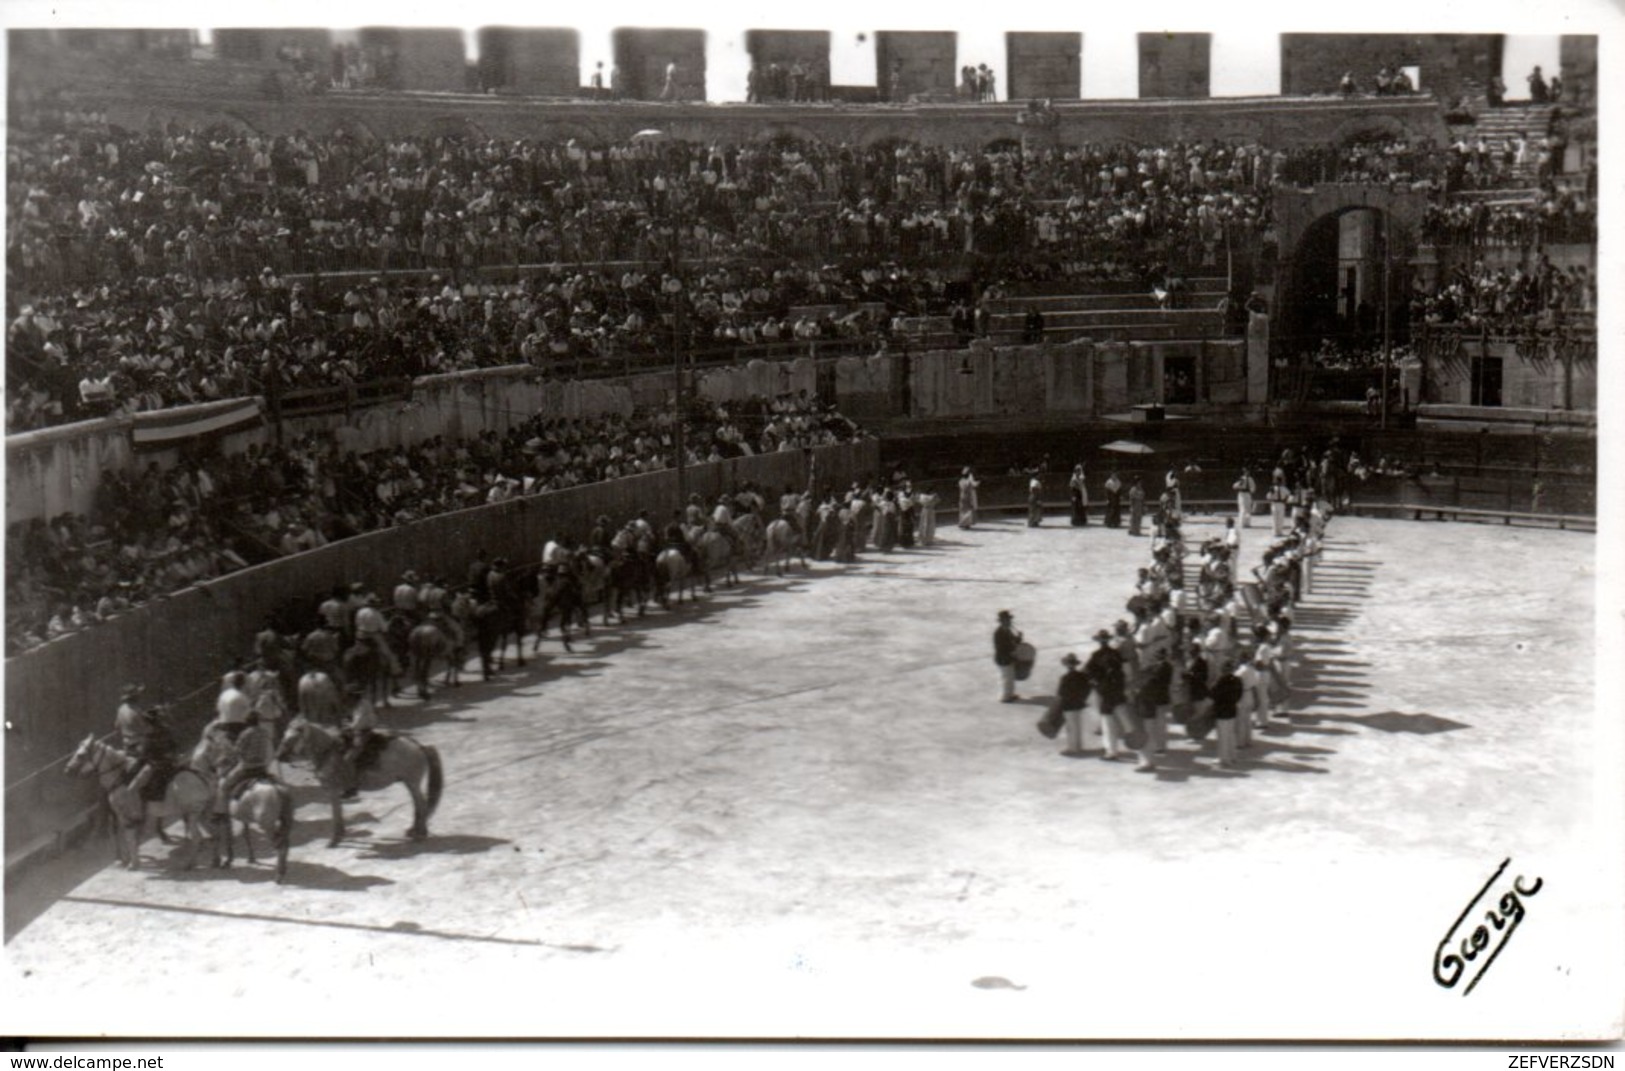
(187, 796)
(400, 760)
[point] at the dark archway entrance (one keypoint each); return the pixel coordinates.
(1333, 286)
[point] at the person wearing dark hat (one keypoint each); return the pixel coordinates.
(1155, 698)
(478, 569)
(129, 723)
(1105, 670)
(677, 539)
(1071, 697)
(1226, 696)
(1005, 641)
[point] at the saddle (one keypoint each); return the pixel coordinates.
(247, 783)
(366, 756)
(159, 785)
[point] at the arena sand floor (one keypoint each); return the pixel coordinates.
(797, 810)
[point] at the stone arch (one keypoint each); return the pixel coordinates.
(236, 123)
(882, 134)
(355, 128)
(781, 132)
(1312, 274)
(583, 133)
(454, 126)
(1365, 127)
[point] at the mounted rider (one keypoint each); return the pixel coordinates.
(321, 649)
(750, 500)
(432, 595)
(129, 723)
(233, 706)
(722, 518)
(405, 599)
(155, 757)
(693, 515)
(356, 736)
(371, 629)
(556, 555)
(335, 611)
(677, 539)
(252, 752)
(598, 540)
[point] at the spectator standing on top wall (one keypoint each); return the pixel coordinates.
(1537, 87)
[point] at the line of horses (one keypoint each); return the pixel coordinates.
(516, 604)
(524, 602)
(264, 804)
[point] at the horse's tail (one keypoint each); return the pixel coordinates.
(437, 780)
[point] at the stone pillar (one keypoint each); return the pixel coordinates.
(643, 55)
(1258, 358)
(916, 62)
(533, 62)
(1041, 66)
(1175, 64)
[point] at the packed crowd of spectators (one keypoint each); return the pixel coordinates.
(160, 341)
(1524, 297)
(1478, 162)
(796, 82)
(155, 531)
(147, 269)
(1557, 216)
(90, 203)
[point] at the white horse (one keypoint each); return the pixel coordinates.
(783, 543)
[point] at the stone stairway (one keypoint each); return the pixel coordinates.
(1499, 125)
(1121, 316)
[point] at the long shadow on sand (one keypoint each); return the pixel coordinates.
(433, 844)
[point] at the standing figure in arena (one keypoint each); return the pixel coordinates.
(1245, 487)
(967, 498)
(1114, 500)
(1005, 641)
(1078, 487)
(1136, 507)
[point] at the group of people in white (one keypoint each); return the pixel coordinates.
(1217, 659)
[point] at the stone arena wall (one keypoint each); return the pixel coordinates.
(179, 646)
(59, 470)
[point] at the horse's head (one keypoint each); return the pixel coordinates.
(80, 761)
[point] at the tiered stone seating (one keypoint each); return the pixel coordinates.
(1530, 120)
(1114, 314)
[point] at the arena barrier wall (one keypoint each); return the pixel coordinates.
(179, 646)
(59, 469)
